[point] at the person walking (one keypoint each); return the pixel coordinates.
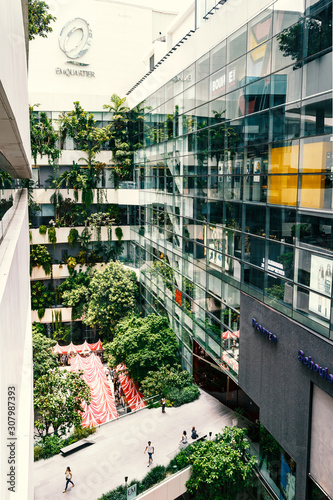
(150, 450)
(163, 404)
(68, 478)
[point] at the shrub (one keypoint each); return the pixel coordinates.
(38, 453)
(119, 493)
(42, 229)
(157, 474)
(182, 396)
(119, 233)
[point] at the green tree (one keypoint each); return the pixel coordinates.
(44, 359)
(221, 469)
(39, 19)
(58, 397)
(74, 292)
(43, 137)
(112, 296)
(144, 344)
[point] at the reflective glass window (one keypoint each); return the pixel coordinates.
(318, 29)
(255, 97)
(218, 57)
(255, 219)
(285, 123)
(286, 86)
(317, 116)
(317, 74)
(257, 128)
(280, 260)
(282, 223)
(217, 84)
(189, 76)
(202, 68)
(217, 110)
(259, 61)
(286, 14)
(314, 230)
(189, 99)
(233, 215)
(236, 44)
(234, 102)
(236, 73)
(202, 89)
(282, 54)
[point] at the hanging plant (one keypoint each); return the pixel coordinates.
(119, 233)
(52, 235)
(40, 257)
(73, 237)
(41, 312)
(42, 229)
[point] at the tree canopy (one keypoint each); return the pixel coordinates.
(43, 137)
(39, 19)
(112, 295)
(58, 397)
(43, 358)
(144, 344)
(219, 468)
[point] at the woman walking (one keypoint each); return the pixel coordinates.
(68, 478)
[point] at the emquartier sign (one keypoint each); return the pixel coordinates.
(75, 72)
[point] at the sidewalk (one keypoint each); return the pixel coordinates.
(119, 446)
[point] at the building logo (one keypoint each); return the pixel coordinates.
(308, 361)
(263, 331)
(75, 40)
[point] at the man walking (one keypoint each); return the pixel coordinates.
(150, 450)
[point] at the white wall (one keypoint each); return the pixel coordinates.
(16, 356)
(121, 34)
(14, 112)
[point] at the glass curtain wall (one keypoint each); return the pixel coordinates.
(236, 178)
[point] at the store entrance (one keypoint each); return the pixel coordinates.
(209, 376)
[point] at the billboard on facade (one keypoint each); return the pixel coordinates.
(321, 282)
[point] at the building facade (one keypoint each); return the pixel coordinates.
(235, 240)
(16, 407)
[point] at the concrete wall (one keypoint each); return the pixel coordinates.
(14, 110)
(271, 374)
(170, 488)
(16, 357)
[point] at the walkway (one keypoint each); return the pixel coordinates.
(119, 446)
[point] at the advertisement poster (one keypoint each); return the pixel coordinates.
(321, 282)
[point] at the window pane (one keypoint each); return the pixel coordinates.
(285, 122)
(317, 116)
(236, 44)
(218, 57)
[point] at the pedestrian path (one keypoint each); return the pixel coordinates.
(119, 449)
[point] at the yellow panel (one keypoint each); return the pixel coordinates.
(313, 190)
(314, 156)
(282, 189)
(284, 160)
(259, 53)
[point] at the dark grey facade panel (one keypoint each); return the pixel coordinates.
(272, 375)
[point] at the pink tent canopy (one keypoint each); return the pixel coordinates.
(228, 335)
(57, 349)
(102, 407)
(71, 348)
(132, 394)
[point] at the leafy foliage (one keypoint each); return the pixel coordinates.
(41, 297)
(40, 257)
(43, 136)
(112, 296)
(172, 382)
(39, 19)
(144, 344)
(73, 237)
(74, 292)
(43, 358)
(219, 468)
(57, 399)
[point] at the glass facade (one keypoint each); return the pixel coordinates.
(235, 178)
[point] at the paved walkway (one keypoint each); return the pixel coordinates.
(119, 446)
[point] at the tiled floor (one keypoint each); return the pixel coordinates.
(119, 446)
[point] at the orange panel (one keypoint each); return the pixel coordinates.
(313, 189)
(282, 189)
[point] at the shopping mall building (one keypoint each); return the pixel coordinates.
(229, 218)
(235, 235)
